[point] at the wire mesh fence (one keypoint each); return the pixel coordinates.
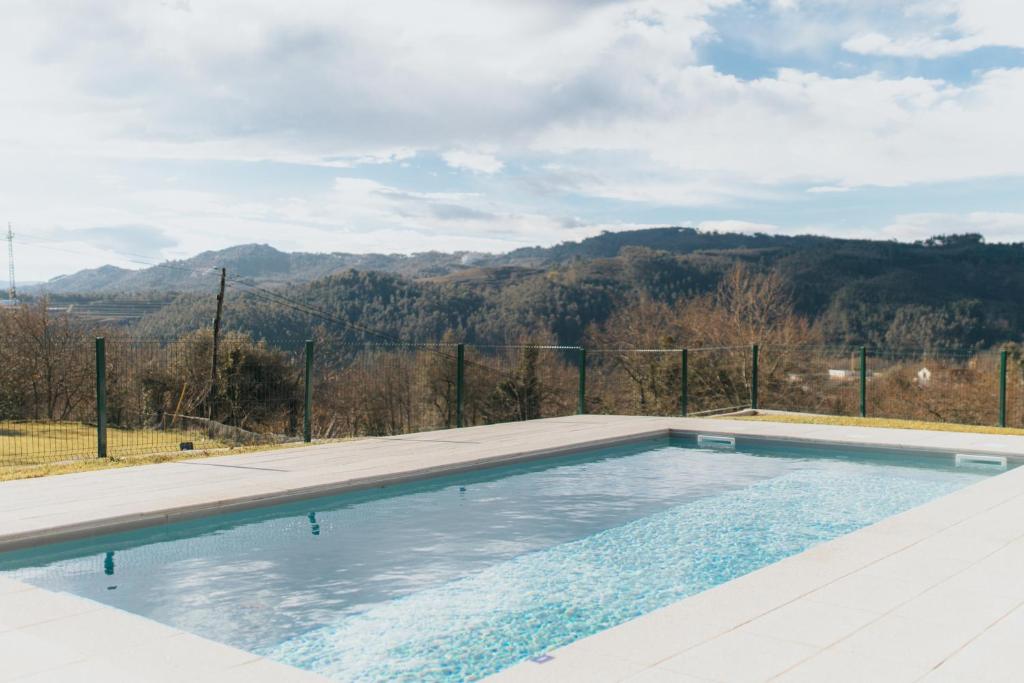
(49, 413)
(382, 389)
(1015, 392)
(514, 383)
(720, 379)
(634, 381)
(699, 381)
(166, 396)
(813, 379)
(935, 387)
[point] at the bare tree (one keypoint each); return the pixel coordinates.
(50, 360)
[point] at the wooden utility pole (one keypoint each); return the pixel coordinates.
(216, 341)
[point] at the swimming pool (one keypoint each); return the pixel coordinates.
(457, 577)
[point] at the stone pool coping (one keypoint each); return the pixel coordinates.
(935, 593)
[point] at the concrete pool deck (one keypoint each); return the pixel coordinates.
(933, 594)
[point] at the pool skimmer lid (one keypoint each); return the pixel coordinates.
(980, 460)
(716, 441)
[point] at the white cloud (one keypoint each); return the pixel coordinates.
(976, 23)
(346, 83)
(480, 162)
(382, 157)
(357, 209)
(354, 215)
(827, 189)
(257, 79)
(605, 100)
(912, 46)
(996, 226)
(631, 176)
(746, 227)
(808, 128)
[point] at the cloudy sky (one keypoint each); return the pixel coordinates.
(131, 132)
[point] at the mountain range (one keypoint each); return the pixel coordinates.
(947, 291)
(257, 263)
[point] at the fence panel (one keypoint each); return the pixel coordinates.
(380, 389)
(634, 381)
(519, 382)
(156, 394)
(259, 397)
(720, 379)
(936, 387)
(1015, 390)
(823, 380)
(162, 396)
(47, 402)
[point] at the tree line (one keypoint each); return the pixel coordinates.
(378, 387)
(951, 293)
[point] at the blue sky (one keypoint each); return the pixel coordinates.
(137, 132)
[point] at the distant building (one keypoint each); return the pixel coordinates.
(924, 376)
(840, 375)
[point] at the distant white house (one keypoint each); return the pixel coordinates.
(841, 375)
(924, 376)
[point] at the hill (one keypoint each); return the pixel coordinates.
(950, 292)
(256, 263)
(266, 266)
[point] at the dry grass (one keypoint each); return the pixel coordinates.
(40, 443)
(40, 449)
(796, 418)
(71, 466)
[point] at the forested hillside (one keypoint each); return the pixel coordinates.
(949, 292)
(946, 292)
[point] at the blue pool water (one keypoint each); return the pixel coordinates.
(455, 578)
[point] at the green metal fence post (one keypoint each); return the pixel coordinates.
(460, 361)
(101, 397)
(307, 412)
(863, 382)
(581, 402)
(1002, 388)
(753, 376)
(684, 388)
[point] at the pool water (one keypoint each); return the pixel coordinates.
(458, 577)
